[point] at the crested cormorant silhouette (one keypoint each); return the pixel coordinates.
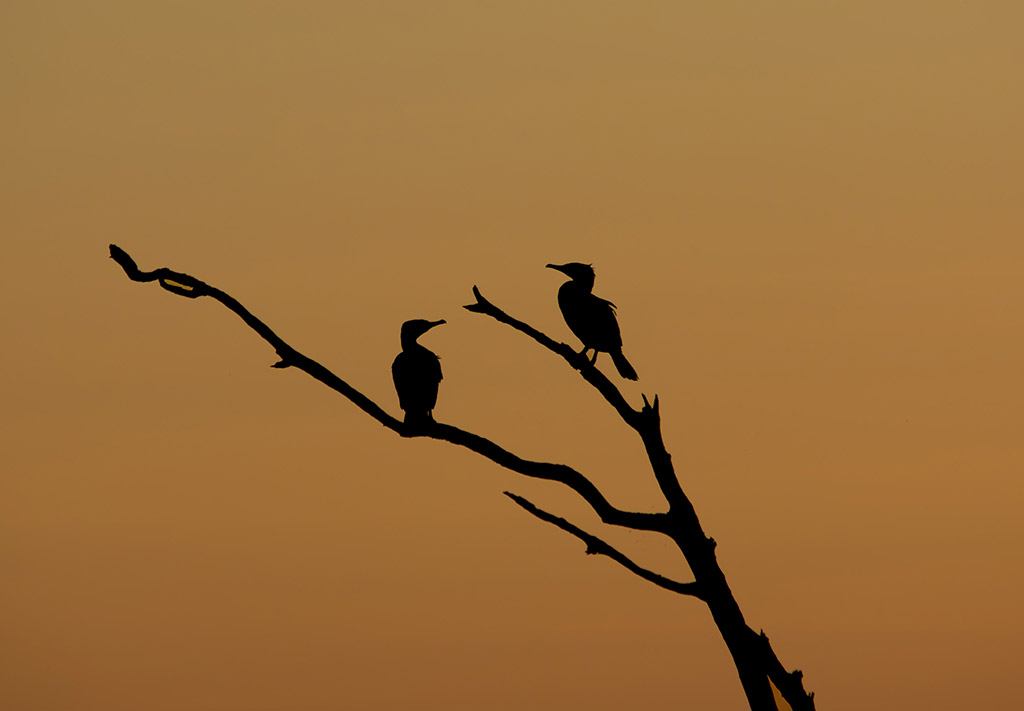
(417, 373)
(590, 317)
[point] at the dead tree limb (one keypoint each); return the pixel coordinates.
(755, 661)
(596, 546)
(192, 288)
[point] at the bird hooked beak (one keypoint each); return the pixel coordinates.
(575, 271)
(411, 330)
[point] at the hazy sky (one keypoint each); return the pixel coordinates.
(811, 217)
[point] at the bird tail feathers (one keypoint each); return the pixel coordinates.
(622, 365)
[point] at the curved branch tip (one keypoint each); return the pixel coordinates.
(124, 260)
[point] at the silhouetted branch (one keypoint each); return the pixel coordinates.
(755, 660)
(646, 421)
(753, 665)
(596, 546)
(190, 287)
(578, 361)
(789, 684)
(657, 522)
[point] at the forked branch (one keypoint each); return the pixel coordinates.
(755, 660)
(596, 546)
(190, 287)
(577, 360)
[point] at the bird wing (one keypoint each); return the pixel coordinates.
(603, 325)
(416, 374)
(435, 369)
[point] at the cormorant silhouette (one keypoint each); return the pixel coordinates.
(590, 317)
(417, 373)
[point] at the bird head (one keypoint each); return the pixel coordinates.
(411, 330)
(583, 273)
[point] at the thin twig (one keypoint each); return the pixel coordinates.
(596, 546)
(578, 361)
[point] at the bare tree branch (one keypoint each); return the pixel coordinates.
(755, 660)
(755, 665)
(656, 522)
(190, 287)
(596, 546)
(789, 684)
(646, 421)
(578, 361)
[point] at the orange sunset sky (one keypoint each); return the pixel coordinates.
(811, 218)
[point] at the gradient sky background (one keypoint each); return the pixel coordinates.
(811, 217)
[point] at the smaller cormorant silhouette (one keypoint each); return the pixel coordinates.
(417, 373)
(590, 317)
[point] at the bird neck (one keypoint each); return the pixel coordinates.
(584, 283)
(409, 342)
